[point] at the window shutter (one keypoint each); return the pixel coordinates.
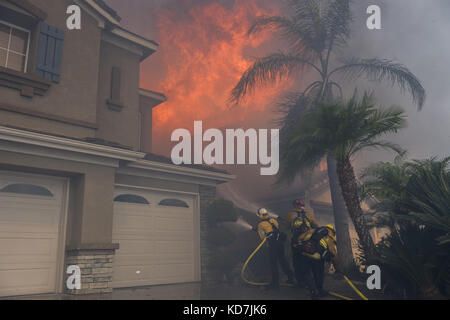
(49, 52)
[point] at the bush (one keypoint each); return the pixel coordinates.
(414, 198)
(221, 236)
(221, 211)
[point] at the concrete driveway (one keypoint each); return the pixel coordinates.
(197, 291)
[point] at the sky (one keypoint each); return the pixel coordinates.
(204, 49)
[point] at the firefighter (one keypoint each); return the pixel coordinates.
(302, 225)
(327, 248)
(318, 246)
(269, 228)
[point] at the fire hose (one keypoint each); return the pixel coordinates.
(244, 267)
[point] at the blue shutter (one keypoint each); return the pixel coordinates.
(49, 52)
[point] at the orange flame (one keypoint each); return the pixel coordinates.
(205, 52)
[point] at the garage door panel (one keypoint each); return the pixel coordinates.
(130, 247)
(174, 224)
(156, 242)
(134, 223)
(136, 209)
(154, 274)
(29, 233)
(15, 213)
(168, 236)
(174, 272)
(14, 247)
(153, 259)
(26, 281)
(174, 247)
(6, 234)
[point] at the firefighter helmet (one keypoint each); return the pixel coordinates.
(299, 203)
(262, 213)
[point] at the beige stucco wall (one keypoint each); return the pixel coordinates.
(44, 125)
(77, 105)
(121, 127)
(90, 215)
(75, 97)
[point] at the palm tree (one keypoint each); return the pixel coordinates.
(314, 30)
(414, 200)
(340, 130)
(417, 191)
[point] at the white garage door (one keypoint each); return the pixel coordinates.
(157, 234)
(30, 222)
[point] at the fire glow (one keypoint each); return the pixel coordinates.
(205, 51)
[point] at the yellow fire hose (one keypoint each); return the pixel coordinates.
(244, 267)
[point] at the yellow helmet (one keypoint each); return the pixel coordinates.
(331, 227)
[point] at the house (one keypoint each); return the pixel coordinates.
(79, 185)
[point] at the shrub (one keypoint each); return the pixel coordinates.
(221, 236)
(414, 200)
(221, 211)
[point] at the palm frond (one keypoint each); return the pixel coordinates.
(337, 22)
(340, 129)
(380, 70)
(268, 70)
(386, 145)
(290, 30)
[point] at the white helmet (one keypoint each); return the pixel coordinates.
(262, 212)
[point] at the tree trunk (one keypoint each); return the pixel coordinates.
(349, 188)
(341, 220)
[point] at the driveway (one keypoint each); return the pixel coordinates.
(197, 291)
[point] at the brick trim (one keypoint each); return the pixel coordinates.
(96, 263)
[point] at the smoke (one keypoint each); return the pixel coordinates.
(244, 224)
(227, 191)
(413, 33)
(204, 49)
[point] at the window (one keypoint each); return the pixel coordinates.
(27, 189)
(14, 47)
(131, 198)
(174, 203)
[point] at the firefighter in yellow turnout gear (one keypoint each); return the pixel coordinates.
(311, 247)
(269, 228)
(326, 251)
(301, 225)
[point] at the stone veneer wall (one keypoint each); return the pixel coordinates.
(207, 196)
(96, 267)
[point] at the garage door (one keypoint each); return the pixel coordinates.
(157, 236)
(30, 221)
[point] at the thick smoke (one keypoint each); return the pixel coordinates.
(414, 33)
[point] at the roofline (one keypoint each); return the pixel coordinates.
(113, 26)
(153, 95)
(30, 8)
(66, 144)
(104, 13)
(149, 46)
(180, 170)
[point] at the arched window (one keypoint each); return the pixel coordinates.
(131, 198)
(27, 189)
(173, 203)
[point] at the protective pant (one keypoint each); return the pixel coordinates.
(304, 270)
(276, 256)
(318, 269)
